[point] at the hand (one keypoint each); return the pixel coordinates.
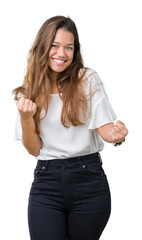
(118, 132)
(26, 108)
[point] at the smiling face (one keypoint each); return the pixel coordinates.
(62, 51)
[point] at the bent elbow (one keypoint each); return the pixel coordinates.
(33, 149)
(35, 153)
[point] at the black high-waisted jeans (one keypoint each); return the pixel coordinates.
(69, 198)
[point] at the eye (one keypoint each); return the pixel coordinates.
(54, 46)
(69, 48)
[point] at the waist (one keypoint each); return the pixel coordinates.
(93, 157)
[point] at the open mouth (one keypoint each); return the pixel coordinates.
(59, 61)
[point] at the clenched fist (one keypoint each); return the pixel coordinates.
(26, 108)
(118, 132)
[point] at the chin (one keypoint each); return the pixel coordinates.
(58, 69)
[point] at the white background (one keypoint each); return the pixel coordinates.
(111, 38)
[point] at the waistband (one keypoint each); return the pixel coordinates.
(93, 157)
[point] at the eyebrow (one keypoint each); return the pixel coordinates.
(67, 44)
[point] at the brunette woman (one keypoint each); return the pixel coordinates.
(64, 115)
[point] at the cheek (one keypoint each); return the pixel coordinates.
(51, 53)
(71, 57)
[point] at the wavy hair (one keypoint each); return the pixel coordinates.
(37, 82)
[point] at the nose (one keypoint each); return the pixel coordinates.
(61, 52)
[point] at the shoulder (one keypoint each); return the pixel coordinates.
(90, 77)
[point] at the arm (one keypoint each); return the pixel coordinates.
(30, 138)
(113, 133)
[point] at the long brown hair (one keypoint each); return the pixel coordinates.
(37, 83)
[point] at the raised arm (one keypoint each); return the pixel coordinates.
(113, 133)
(30, 138)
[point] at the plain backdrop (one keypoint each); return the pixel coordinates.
(111, 41)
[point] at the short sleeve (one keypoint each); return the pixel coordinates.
(101, 109)
(18, 128)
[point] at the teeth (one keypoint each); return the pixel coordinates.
(58, 61)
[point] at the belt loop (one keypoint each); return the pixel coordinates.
(66, 162)
(99, 155)
(80, 162)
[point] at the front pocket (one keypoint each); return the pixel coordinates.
(93, 169)
(39, 170)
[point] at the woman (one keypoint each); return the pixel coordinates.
(63, 115)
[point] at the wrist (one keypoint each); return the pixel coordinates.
(26, 120)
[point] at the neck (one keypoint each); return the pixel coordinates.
(53, 76)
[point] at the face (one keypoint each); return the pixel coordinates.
(62, 51)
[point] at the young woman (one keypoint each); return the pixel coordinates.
(63, 115)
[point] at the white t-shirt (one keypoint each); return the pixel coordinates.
(61, 142)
